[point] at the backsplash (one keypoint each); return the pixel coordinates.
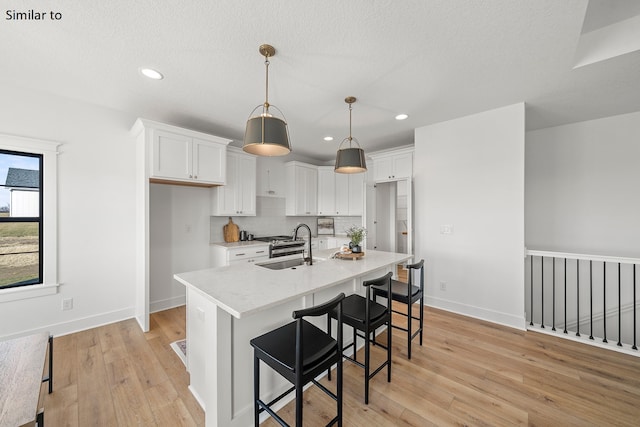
(270, 220)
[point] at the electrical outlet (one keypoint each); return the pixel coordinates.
(443, 286)
(67, 304)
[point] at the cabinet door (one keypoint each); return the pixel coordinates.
(246, 189)
(171, 155)
(302, 190)
(356, 191)
(403, 165)
(342, 194)
(322, 244)
(209, 160)
(311, 192)
(326, 191)
(224, 197)
(383, 169)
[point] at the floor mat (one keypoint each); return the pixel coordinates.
(180, 347)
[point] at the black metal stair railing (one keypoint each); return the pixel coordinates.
(611, 297)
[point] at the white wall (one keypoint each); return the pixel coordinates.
(178, 241)
(95, 223)
(469, 173)
(582, 187)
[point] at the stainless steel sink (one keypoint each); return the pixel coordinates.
(281, 265)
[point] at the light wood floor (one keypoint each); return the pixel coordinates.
(467, 372)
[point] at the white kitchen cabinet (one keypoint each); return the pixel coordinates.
(301, 190)
(243, 253)
(339, 194)
(319, 243)
(183, 156)
(356, 194)
(392, 166)
(238, 196)
(336, 242)
(326, 190)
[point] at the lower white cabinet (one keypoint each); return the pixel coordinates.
(336, 242)
(247, 253)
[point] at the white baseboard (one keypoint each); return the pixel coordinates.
(168, 303)
(481, 313)
(81, 324)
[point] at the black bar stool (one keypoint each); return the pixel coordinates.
(300, 351)
(365, 315)
(407, 293)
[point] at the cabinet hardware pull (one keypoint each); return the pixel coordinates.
(240, 254)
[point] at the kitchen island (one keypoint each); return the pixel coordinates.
(227, 306)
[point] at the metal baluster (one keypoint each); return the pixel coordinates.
(553, 312)
(634, 308)
(604, 299)
(542, 292)
(577, 297)
(565, 296)
(531, 302)
(591, 299)
(619, 312)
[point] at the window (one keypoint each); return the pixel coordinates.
(28, 218)
(20, 219)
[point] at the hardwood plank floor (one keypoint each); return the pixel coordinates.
(467, 372)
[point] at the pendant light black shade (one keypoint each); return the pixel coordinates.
(350, 159)
(266, 134)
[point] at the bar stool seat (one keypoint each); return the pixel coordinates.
(300, 351)
(365, 315)
(278, 348)
(407, 293)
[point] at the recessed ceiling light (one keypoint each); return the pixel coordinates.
(328, 138)
(151, 73)
(402, 116)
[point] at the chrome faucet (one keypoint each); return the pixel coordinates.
(295, 236)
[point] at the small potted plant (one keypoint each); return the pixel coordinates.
(356, 234)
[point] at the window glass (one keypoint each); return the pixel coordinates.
(20, 219)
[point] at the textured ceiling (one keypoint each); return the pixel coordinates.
(432, 59)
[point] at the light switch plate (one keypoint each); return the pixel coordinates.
(446, 229)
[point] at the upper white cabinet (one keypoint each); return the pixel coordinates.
(392, 165)
(301, 189)
(326, 190)
(356, 194)
(183, 156)
(339, 194)
(238, 196)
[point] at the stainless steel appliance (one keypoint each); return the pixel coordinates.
(282, 245)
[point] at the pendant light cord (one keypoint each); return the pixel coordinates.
(350, 138)
(266, 94)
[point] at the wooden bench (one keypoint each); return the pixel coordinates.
(21, 375)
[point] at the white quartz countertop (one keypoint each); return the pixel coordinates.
(242, 290)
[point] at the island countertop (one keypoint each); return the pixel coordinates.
(242, 290)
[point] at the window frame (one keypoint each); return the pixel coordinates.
(48, 219)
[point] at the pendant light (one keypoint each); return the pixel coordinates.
(266, 134)
(351, 159)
